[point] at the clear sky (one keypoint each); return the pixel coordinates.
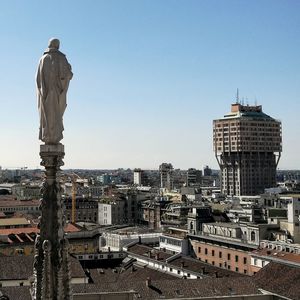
(149, 77)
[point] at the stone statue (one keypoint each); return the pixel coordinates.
(53, 77)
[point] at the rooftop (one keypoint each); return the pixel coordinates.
(198, 266)
(21, 267)
(167, 289)
(13, 221)
(147, 251)
(278, 255)
(280, 279)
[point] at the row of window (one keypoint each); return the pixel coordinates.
(225, 265)
(221, 255)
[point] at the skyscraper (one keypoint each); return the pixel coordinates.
(247, 145)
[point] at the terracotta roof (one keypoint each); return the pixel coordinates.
(280, 279)
(198, 266)
(21, 267)
(68, 228)
(19, 230)
(71, 228)
(144, 250)
(173, 289)
(282, 255)
(133, 273)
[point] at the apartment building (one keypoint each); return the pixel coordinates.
(247, 145)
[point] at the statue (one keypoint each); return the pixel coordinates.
(53, 77)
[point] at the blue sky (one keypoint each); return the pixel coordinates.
(149, 77)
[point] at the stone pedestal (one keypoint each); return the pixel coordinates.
(51, 264)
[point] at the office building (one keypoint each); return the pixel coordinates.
(247, 145)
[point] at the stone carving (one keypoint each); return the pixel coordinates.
(52, 79)
(47, 270)
(51, 276)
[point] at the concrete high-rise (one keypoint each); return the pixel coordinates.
(138, 177)
(247, 145)
(166, 176)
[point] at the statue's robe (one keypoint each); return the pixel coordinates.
(53, 77)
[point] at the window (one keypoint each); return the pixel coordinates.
(171, 269)
(213, 252)
(236, 258)
(252, 236)
(213, 263)
(220, 254)
(245, 271)
(245, 260)
(236, 269)
(220, 265)
(206, 260)
(228, 267)
(199, 249)
(178, 271)
(228, 256)
(205, 250)
(255, 261)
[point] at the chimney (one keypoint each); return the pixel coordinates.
(148, 282)
(157, 256)
(149, 254)
(182, 264)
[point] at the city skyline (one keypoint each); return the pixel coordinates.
(149, 77)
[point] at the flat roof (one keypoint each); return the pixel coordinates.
(14, 221)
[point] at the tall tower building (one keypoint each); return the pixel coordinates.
(247, 145)
(166, 176)
(138, 177)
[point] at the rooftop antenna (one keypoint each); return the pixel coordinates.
(243, 101)
(237, 96)
(247, 102)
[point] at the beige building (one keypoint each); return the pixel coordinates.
(247, 145)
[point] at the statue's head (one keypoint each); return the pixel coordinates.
(54, 43)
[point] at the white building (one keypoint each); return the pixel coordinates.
(293, 213)
(137, 177)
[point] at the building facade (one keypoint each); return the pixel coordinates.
(247, 145)
(193, 177)
(166, 176)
